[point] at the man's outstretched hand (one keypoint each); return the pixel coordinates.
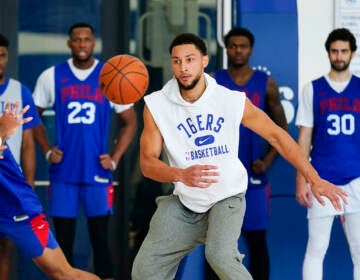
(10, 120)
(335, 194)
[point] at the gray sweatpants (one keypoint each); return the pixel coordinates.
(175, 230)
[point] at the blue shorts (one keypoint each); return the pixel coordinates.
(31, 235)
(257, 211)
(96, 199)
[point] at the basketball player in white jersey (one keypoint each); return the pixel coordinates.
(197, 122)
(21, 143)
(329, 120)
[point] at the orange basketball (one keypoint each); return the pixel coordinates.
(124, 79)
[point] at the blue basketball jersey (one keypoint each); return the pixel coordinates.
(18, 201)
(251, 145)
(82, 127)
(336, 133)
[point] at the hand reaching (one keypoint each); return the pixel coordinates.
(10, 120)
(333, 193)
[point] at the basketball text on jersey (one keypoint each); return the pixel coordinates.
(207, 152)
(203, 129)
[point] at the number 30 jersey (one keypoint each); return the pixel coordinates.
(82, 117)
(335, 150)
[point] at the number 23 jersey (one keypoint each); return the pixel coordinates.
(82, 117)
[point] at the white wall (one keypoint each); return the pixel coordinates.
(315, 21)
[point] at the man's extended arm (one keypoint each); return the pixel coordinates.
(256, 120)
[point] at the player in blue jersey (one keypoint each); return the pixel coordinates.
(197, 122)
(21, 214)
(253, 152)
(329, 120)
(81, 165)
(21, 143)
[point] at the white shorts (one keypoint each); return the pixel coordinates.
(352, 189)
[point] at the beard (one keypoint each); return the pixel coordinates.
(340, 67)
(189, 87)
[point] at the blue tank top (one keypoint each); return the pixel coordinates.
(251, 145)
(18, 201)
(82, 127)
(336, 134)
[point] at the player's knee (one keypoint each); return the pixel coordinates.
(138, 273)
(317, 249)
(223, 260)
(142, 268)
(211, 255)
(355, 254)
(218, 256)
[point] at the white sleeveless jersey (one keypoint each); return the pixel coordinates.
(203, 132)
(13, 93)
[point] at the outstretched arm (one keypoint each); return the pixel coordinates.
(10, 120)
(151, 144)
(260, 123)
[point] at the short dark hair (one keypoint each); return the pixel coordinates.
(341, 34)
(78, 25)
(189, 38)
(4, 42)
(239, 31)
